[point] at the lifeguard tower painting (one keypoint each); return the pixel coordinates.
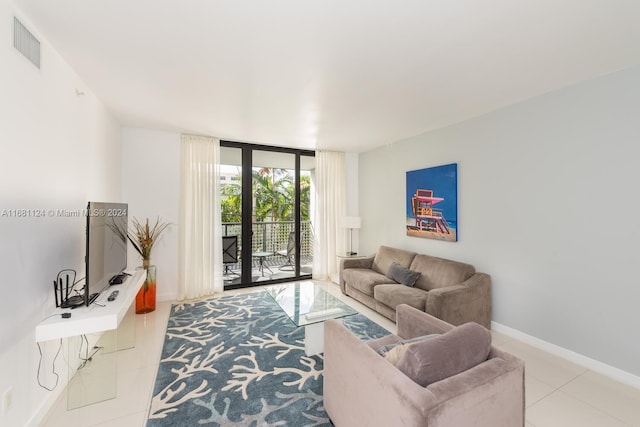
(432, 203)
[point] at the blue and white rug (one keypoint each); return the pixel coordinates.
(239, 361)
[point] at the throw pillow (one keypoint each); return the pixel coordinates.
(451, 353)
(402, 274)
(394, 352)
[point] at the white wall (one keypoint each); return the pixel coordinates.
(151, 186)
(57, 151)
(547, 205)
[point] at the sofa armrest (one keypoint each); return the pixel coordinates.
(469, 301)
(346, 263)
(362, 388)
(413, 323)
(366, 262)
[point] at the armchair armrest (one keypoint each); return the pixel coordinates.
(491, 393)
(469, 301)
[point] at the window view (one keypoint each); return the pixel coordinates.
(273, 249)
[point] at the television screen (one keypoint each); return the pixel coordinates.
(106, 255)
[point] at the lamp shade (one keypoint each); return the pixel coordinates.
(350, 222)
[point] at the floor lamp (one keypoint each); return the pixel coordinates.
(351, 222)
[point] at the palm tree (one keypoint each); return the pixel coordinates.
(274, 197)
(273, 193)
(231, 203)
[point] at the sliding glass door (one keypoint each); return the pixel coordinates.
(266, 205)
(231, 213)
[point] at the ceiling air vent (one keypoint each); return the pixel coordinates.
(25, 42)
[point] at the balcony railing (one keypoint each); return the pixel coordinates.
(271, 237)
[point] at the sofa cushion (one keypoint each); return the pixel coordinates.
(394, 295)
(386, 255)
(449, 354)
(402, 274)
(364, 279)
(439, 272)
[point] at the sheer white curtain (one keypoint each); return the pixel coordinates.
(200, 221)
(330, 187)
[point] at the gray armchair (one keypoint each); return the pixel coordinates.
(362, 388)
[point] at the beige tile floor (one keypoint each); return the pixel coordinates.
(558, 393)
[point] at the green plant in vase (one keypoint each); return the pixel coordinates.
(143, 237)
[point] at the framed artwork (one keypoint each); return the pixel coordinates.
(432, 203)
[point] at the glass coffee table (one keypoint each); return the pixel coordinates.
(308, 305)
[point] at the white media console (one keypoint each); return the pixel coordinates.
(111, 324)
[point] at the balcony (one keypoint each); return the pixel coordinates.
(270, 239)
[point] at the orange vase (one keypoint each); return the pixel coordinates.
(146, 297)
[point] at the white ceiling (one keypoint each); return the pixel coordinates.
(330, 74)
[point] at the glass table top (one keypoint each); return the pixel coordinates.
(306, 303)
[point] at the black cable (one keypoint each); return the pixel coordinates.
(73, 287)
(60, 286)
(54, 359)
(53, 315)
(73, 281)
(87, 357)
(53, 365)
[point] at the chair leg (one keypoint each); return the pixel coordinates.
(287, 266)
(228, 273)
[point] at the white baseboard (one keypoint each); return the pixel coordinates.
(38, 416)
(577, 358)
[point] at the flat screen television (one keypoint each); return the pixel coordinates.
(106, 255)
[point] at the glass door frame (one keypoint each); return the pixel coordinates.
(247, 210)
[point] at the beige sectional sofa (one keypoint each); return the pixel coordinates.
(362, 388)
(449, 290)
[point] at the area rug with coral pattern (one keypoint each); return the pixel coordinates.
(239, 361)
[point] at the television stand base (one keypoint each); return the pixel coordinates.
(93, 297)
